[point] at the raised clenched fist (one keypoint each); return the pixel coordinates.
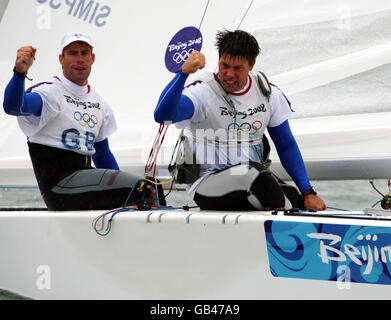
(25, 58)
(195, 62)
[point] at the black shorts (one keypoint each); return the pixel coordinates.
(67, 181)
(246, 187)
(94, 189)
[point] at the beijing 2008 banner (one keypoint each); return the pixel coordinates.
(181, 45)
(329, 251)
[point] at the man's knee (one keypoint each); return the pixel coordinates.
(268, 191)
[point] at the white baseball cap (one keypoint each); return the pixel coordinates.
(75, 36)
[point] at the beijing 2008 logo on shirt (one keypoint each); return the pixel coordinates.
(244, 128)
(86, 119)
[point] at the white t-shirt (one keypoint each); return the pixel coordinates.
(72, 118)
(201, 94)
(254, 112)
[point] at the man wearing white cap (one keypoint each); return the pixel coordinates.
(67, 123)
(75, 43)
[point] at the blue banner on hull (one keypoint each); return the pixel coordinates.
(345, 253)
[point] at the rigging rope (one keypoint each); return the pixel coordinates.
(203, 15)
(245, 14)
(150, 167)
(148, 201)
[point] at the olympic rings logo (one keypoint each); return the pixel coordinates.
(245, 128)
(85, 119)
(180, 57)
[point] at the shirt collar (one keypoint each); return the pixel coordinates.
(80, 90)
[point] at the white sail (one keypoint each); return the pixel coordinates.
(329, 60)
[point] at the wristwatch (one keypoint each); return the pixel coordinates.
(309, 191)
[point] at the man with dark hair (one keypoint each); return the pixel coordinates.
(67, 123)
(232, 43)
(237, 105)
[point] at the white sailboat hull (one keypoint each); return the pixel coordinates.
(160, 255)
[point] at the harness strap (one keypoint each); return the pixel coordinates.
(264, 84)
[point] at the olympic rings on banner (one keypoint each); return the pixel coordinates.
(85, 119)
(181, 57)
(245, 127)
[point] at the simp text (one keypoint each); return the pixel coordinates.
(89, 11)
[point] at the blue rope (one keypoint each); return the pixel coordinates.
(130, 194)
(108, 228)
(376, 203)
(333, 208)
